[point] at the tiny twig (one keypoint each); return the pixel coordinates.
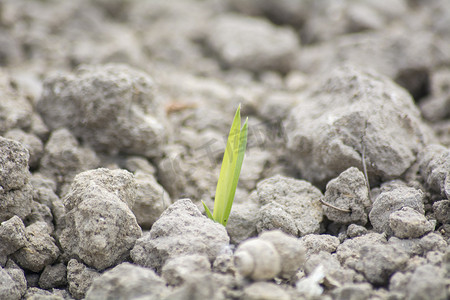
(335, 207)
(365, 170)
(363, 158)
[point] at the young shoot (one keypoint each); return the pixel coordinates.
(229, 171)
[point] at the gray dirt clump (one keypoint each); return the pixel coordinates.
(13, 285)
(223, 264)
(55, 294)
(181, 230)
(354, 291)
(139, 164)
(204, 286)
(410, 246)
(33, 144)
(434, 162)
(13, 237)
(14, 160)
(315, 243)
(409, 223)
(127, 281)
(41, 213)
(118, 182)
(437, 105)
(113, 108)
(348, 110)
(177, 270)
(44, 193)
(274, 216)
(15, 110)
(442, 211)
(64, 158)
(79, 278)
(252, 44)
(15, 188)
(392, 51)
(184, 176)
(354, 230)
(256, 162)
(427, 282)
(286, 12)
(348, 253)
(264, 290)
(298, 198)
(348, 192)
(242, 222)
(379, 261)
(40, 248)
(391, 201)
(151, 200)
(100, 226)
(433, 242)
(333, 270)
(53, 276)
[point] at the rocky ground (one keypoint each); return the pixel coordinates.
(113, 120)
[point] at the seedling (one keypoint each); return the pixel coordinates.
(229, 171)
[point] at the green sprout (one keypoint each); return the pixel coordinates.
(230, 170)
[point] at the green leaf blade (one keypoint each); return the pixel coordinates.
(230, 170)
(224, 183)
(237, 170)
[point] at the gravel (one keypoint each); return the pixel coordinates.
(113, 122)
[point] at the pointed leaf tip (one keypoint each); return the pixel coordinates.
(208, 212)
